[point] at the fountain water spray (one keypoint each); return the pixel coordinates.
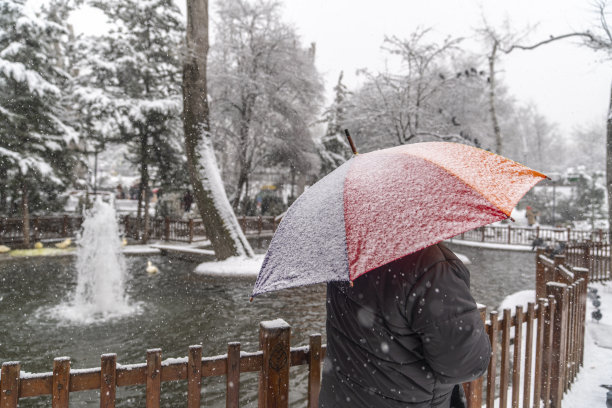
(100, 292)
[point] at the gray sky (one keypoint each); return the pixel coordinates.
(569, 84)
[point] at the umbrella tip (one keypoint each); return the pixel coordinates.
(251, 299)
(511, 219)
(350, 140)
(351, 283)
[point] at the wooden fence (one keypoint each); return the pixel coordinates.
(272, 362)
(41, 228)
(193, 230)
(536, 355)
(66, 226)
(594, 256)
(513, 235)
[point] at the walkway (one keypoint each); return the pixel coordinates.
(597, 369)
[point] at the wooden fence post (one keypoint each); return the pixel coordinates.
(232, 379)
(517, 356)
(505, 358)
(194, 376)
(108, 380)
(167, 229)
(540, 275)
(9, 386)
(559, 346)
(539, 353)
(190, 230)
(153, 383)
(36, 229)
(582, 273)
(586, 256)
(314, 371)
(473, 389)
(482, 234)
(274, 340)
(126, 221)
(61, 382)
(492, 370)
(509, 234)
(548, 345)
(558, 261)
(529, 353)
(65, 226)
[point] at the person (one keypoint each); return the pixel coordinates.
(531, 216)
(404, 335)
(187, 201)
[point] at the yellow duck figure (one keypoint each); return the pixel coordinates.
(151, 269)
(64, 244)
(38, 245)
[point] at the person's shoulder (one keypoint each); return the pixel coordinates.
(437, 253)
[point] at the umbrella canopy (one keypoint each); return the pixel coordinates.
(383, 205)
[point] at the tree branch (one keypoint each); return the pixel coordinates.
(552, 38)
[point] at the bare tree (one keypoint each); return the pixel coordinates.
(219, 220)
(264, 86)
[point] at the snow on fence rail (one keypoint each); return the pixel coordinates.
(536, 355)
(527, 235)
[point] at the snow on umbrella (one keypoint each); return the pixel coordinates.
(383, 205)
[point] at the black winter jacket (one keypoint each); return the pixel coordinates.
(403, 335)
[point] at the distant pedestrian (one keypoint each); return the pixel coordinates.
(531, 216)
(120, 193)
(187, 201)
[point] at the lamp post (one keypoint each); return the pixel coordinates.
(554, 200)
(554, 177)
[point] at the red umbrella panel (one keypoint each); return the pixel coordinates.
(381, 206)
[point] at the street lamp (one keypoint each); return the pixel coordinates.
(554, 177)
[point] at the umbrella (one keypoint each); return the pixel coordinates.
(383, 205)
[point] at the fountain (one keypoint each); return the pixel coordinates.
(101, 271)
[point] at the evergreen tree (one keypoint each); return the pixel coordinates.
(35, 158)
(136, 72)
(334, 150)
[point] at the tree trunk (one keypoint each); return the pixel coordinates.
(144, 188)
(242, 180)
(496, 129)
(222, 229)
(25, 214)
(609, 166)
(139, 210)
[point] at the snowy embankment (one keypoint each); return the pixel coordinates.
(234, 266)
(240, 266)
(586, 391)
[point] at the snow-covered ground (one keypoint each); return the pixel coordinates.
(239, 266)
(586, 391)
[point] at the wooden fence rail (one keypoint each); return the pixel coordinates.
(166, 229)
(192, 230)
(41, 228)
(514, 235)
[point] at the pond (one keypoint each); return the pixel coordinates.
(179, 308)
